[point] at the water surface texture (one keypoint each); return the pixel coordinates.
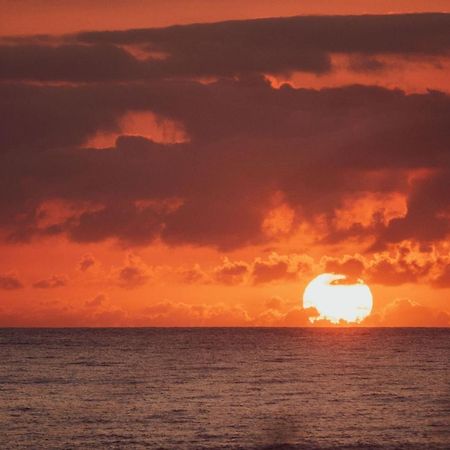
(225, 388)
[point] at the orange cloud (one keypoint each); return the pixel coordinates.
(295, 317)
(407, 313)
(181, 314)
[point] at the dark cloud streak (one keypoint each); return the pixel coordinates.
(263, 46)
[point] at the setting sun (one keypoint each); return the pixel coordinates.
(336, 299)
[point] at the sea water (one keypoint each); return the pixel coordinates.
(224, 388)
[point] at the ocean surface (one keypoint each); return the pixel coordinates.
(225, 388)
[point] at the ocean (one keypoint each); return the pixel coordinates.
(225, 388)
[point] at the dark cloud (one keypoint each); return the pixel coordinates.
(87, 261)
(428, 204)
(443, 280)
(350, 266)
(231, 272)
(361, 63)
(279, 45)
(284, 44)
(274, 270)
(398, 269)
(400, 264)
(10, 281)
(55, 281)
(247, 141)
(133, 274)
(68, 62)
(280, 268)
(422, 33)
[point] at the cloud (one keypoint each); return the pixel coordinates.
(294, 317)
(10, 281)
(402, 263)
(275, 303)
(274, 268)
(407, 313)
(87, 262)
(58, 314)
(393, 272)
(226, 49)
(180, 314)
(72, 62)
(97, 301)
(442, 280)
(427, 208)
(193, 275)
(231, 272)
(55, 281)
(170, 313)
(353, 34)
(246, 142)
(133, 274)
(280, 268)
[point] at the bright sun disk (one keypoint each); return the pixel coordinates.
(336, 299)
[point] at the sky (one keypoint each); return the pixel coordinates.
(197, 163)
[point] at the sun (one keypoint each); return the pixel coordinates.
(337, 298)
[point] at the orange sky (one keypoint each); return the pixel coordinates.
(206, 185)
